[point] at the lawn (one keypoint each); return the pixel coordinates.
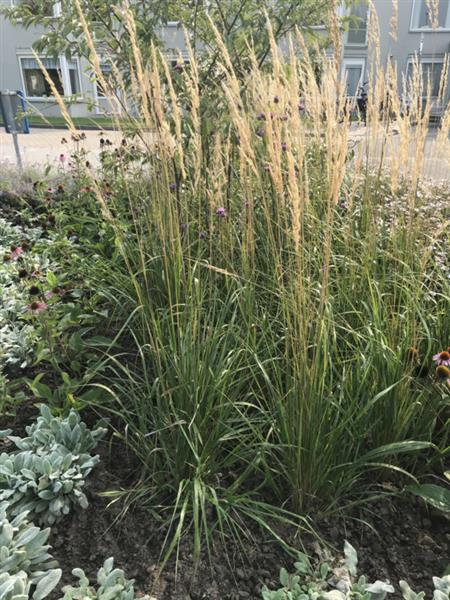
(100, 122)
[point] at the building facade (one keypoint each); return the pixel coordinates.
(420, 36)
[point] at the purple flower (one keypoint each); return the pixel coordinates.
(221, 212)
(442, 359)
(37, 307)
(261, 117)
(284, 146)
(16, 252)
(173, 187)
(260, 132)
(202, 235)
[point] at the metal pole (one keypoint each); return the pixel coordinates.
(17, 149)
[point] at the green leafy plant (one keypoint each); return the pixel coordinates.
(340, 582)
(47, 472)
(24, 558)
(111, 585)
(48, 433)
(47, 485)
(435, 495)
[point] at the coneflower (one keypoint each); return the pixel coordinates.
(37, 306)
(16, 251)
(442, 358)
(34, 290)
(443, 373)
(23, 273)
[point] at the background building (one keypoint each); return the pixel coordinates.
(415, 38)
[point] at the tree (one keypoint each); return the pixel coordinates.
(238, 21)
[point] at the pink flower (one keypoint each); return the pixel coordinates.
(62, 158)
(221, 212)
(37, 307)
(16, 253)
(49, 294)
(443, 358)
(50, 191)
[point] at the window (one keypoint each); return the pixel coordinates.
(72, 67)
(423, 17)
(358, 19)
(36, 86)
(353, 73)
(430, 75)
(106, 70)
(35, 83)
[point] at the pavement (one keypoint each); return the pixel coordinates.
(43, 147)
(436, 157)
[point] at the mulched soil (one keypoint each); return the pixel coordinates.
(397, 539)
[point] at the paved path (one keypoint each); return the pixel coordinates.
(43, 146)
(436, 164)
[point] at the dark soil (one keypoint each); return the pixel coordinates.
(398, 539)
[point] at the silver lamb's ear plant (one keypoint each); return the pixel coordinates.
(46, 474)
(24, 559)
(49, 432)
(310, 584)
(112, 585)
(47, 486)
(324, 583)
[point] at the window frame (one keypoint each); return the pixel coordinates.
(356, 61)
(427, 61)
(347, 13)
(415, 11)
(65, 78)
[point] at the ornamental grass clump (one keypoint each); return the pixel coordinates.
(265, 305)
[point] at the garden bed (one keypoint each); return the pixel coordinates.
(396, 538)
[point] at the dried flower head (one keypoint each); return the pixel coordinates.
(34, 290)
(412, 355)
(443, 373)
